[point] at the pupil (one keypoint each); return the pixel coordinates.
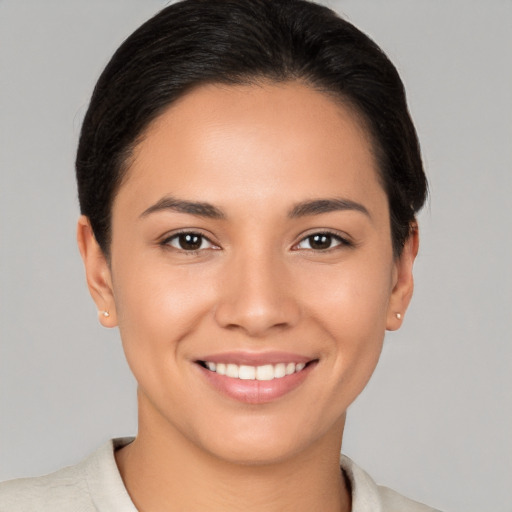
(190, 242)
(320, 241)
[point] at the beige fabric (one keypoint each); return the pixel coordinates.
(95, 485)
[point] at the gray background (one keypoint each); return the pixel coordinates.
(435, 422)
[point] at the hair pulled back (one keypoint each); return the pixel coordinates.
(196, 42)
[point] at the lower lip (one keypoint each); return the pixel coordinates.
(256, 391)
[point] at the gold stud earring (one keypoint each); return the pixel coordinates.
(399, 316)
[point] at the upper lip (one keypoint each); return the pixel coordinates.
(256, 358)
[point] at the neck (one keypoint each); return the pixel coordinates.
(163, 470)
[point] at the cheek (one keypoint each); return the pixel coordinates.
(350, 303)
(158, 305)
(352, 297)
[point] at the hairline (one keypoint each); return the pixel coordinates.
(362, 121)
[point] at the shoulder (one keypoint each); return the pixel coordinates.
(93, 484)
(50, 492)
(368, 496)
(395, 502)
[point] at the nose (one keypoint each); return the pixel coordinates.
(257, 296)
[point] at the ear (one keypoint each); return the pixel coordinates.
(403, 281)
(97, 270)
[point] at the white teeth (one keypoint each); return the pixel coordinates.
(279, 370)
(247, 372)
(264, 372)
(232, 371)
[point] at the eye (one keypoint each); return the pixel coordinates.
(189, 241)
(322, 241)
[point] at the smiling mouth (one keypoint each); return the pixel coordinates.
(264, 372)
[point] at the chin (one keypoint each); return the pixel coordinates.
(265, 441)
(248, 452)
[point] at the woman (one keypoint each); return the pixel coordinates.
(249, 177)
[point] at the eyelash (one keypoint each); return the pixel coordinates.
(342, 241)
(166, 242)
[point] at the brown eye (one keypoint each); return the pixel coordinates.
(321, 242)
(188, 242)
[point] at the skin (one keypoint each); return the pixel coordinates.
(253, 152)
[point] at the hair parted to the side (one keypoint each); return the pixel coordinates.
(194, 42)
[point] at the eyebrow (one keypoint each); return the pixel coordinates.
(302, 209)
(319, 206)
(182, 206)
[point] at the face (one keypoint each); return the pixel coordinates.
(252, 275)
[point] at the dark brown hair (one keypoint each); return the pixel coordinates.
(195, 42)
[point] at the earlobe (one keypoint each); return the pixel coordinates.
(97, 270)
(404, 282)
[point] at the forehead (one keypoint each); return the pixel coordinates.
(255, 141)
